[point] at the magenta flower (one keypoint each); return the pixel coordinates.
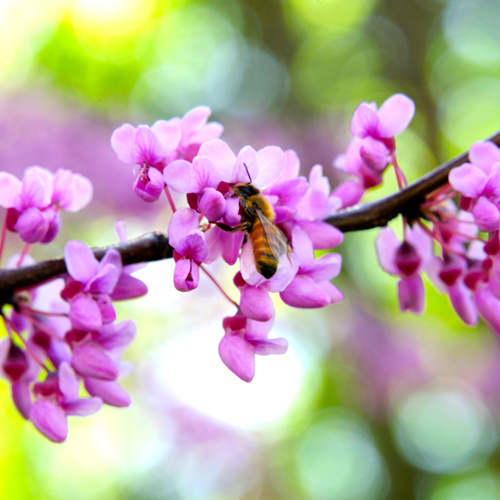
(377, 128)
(255, 302)
(195, 131)
(479, 182)
(190, 248)
(149, 148)
(243, 339)
(34, 204)
(91, 285)
(57, 397)
(406, 260)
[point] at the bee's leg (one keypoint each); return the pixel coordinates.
(244, 226)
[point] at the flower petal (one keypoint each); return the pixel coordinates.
(272, 161)
(111, 393)
(395, 115)
(80, 261)
(238, 355)
(468, 180)
(91, 361)
(122, 141)
(364, 121)
(50, 420)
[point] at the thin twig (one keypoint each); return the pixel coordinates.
(154, 246)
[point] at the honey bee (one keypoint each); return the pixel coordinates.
(268, 240)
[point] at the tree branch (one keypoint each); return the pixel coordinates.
(154, 246)
(147, 248)
(404, 202)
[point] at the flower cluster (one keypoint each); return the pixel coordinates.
(62, 335)
(33, 204)
(373, 146)
(252, 206)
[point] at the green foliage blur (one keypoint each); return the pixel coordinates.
(370, 403)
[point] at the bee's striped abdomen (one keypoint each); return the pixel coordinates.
(264, 251)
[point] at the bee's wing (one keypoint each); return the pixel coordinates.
(276, 238)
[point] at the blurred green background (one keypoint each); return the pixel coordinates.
(369, 403)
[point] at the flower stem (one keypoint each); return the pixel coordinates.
(3, 237)
(219, 287)
(170, 199)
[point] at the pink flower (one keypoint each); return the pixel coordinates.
(243, 339)
(149, 148)
(190, 248)
(195, 131)
(34, 204)
(56, 397)
(479, 182)
(406, 260)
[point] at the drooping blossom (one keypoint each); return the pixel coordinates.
(243, 339)
(406, 260)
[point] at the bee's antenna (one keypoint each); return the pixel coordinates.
(248, 173)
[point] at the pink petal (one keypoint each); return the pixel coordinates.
(85, 314)
(91, 361)
(122, 141)
(182, 223)
(350, 192)
(80, 261)
(179, 176)
(364, 121)
(272, 161)
(193, 246)
(323, 235)
(302, 248)
(395, 115)
(82, 407)
(147, 147)
(486, 215)
(195, 119)
(292, 167)
(305, 293)
(69, 384)
(463, 303)
(149, 187)
(10, 187)
(204, 174)
(36, 190)
(246, 167)
(32, 226)
(222, 243)
(212, 204)
(129, 287)
(488, 306)
(50, 420)
(221, 156)
(256, 304)
(186, 275)
(122, 334)
(484, 154)
(468, 180)
(168, 133)
(411, 294)
(375, 154)
(238, 355)
(267, 347)
(104, 281)
(111, 393)
(81, 193)
(107, 309)
(326, 267)
(387, 245)
(21, 395)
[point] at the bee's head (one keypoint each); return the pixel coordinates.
(245, 190)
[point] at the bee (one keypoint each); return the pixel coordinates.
(268, 240)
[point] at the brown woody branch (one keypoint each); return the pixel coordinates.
(154, 246)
